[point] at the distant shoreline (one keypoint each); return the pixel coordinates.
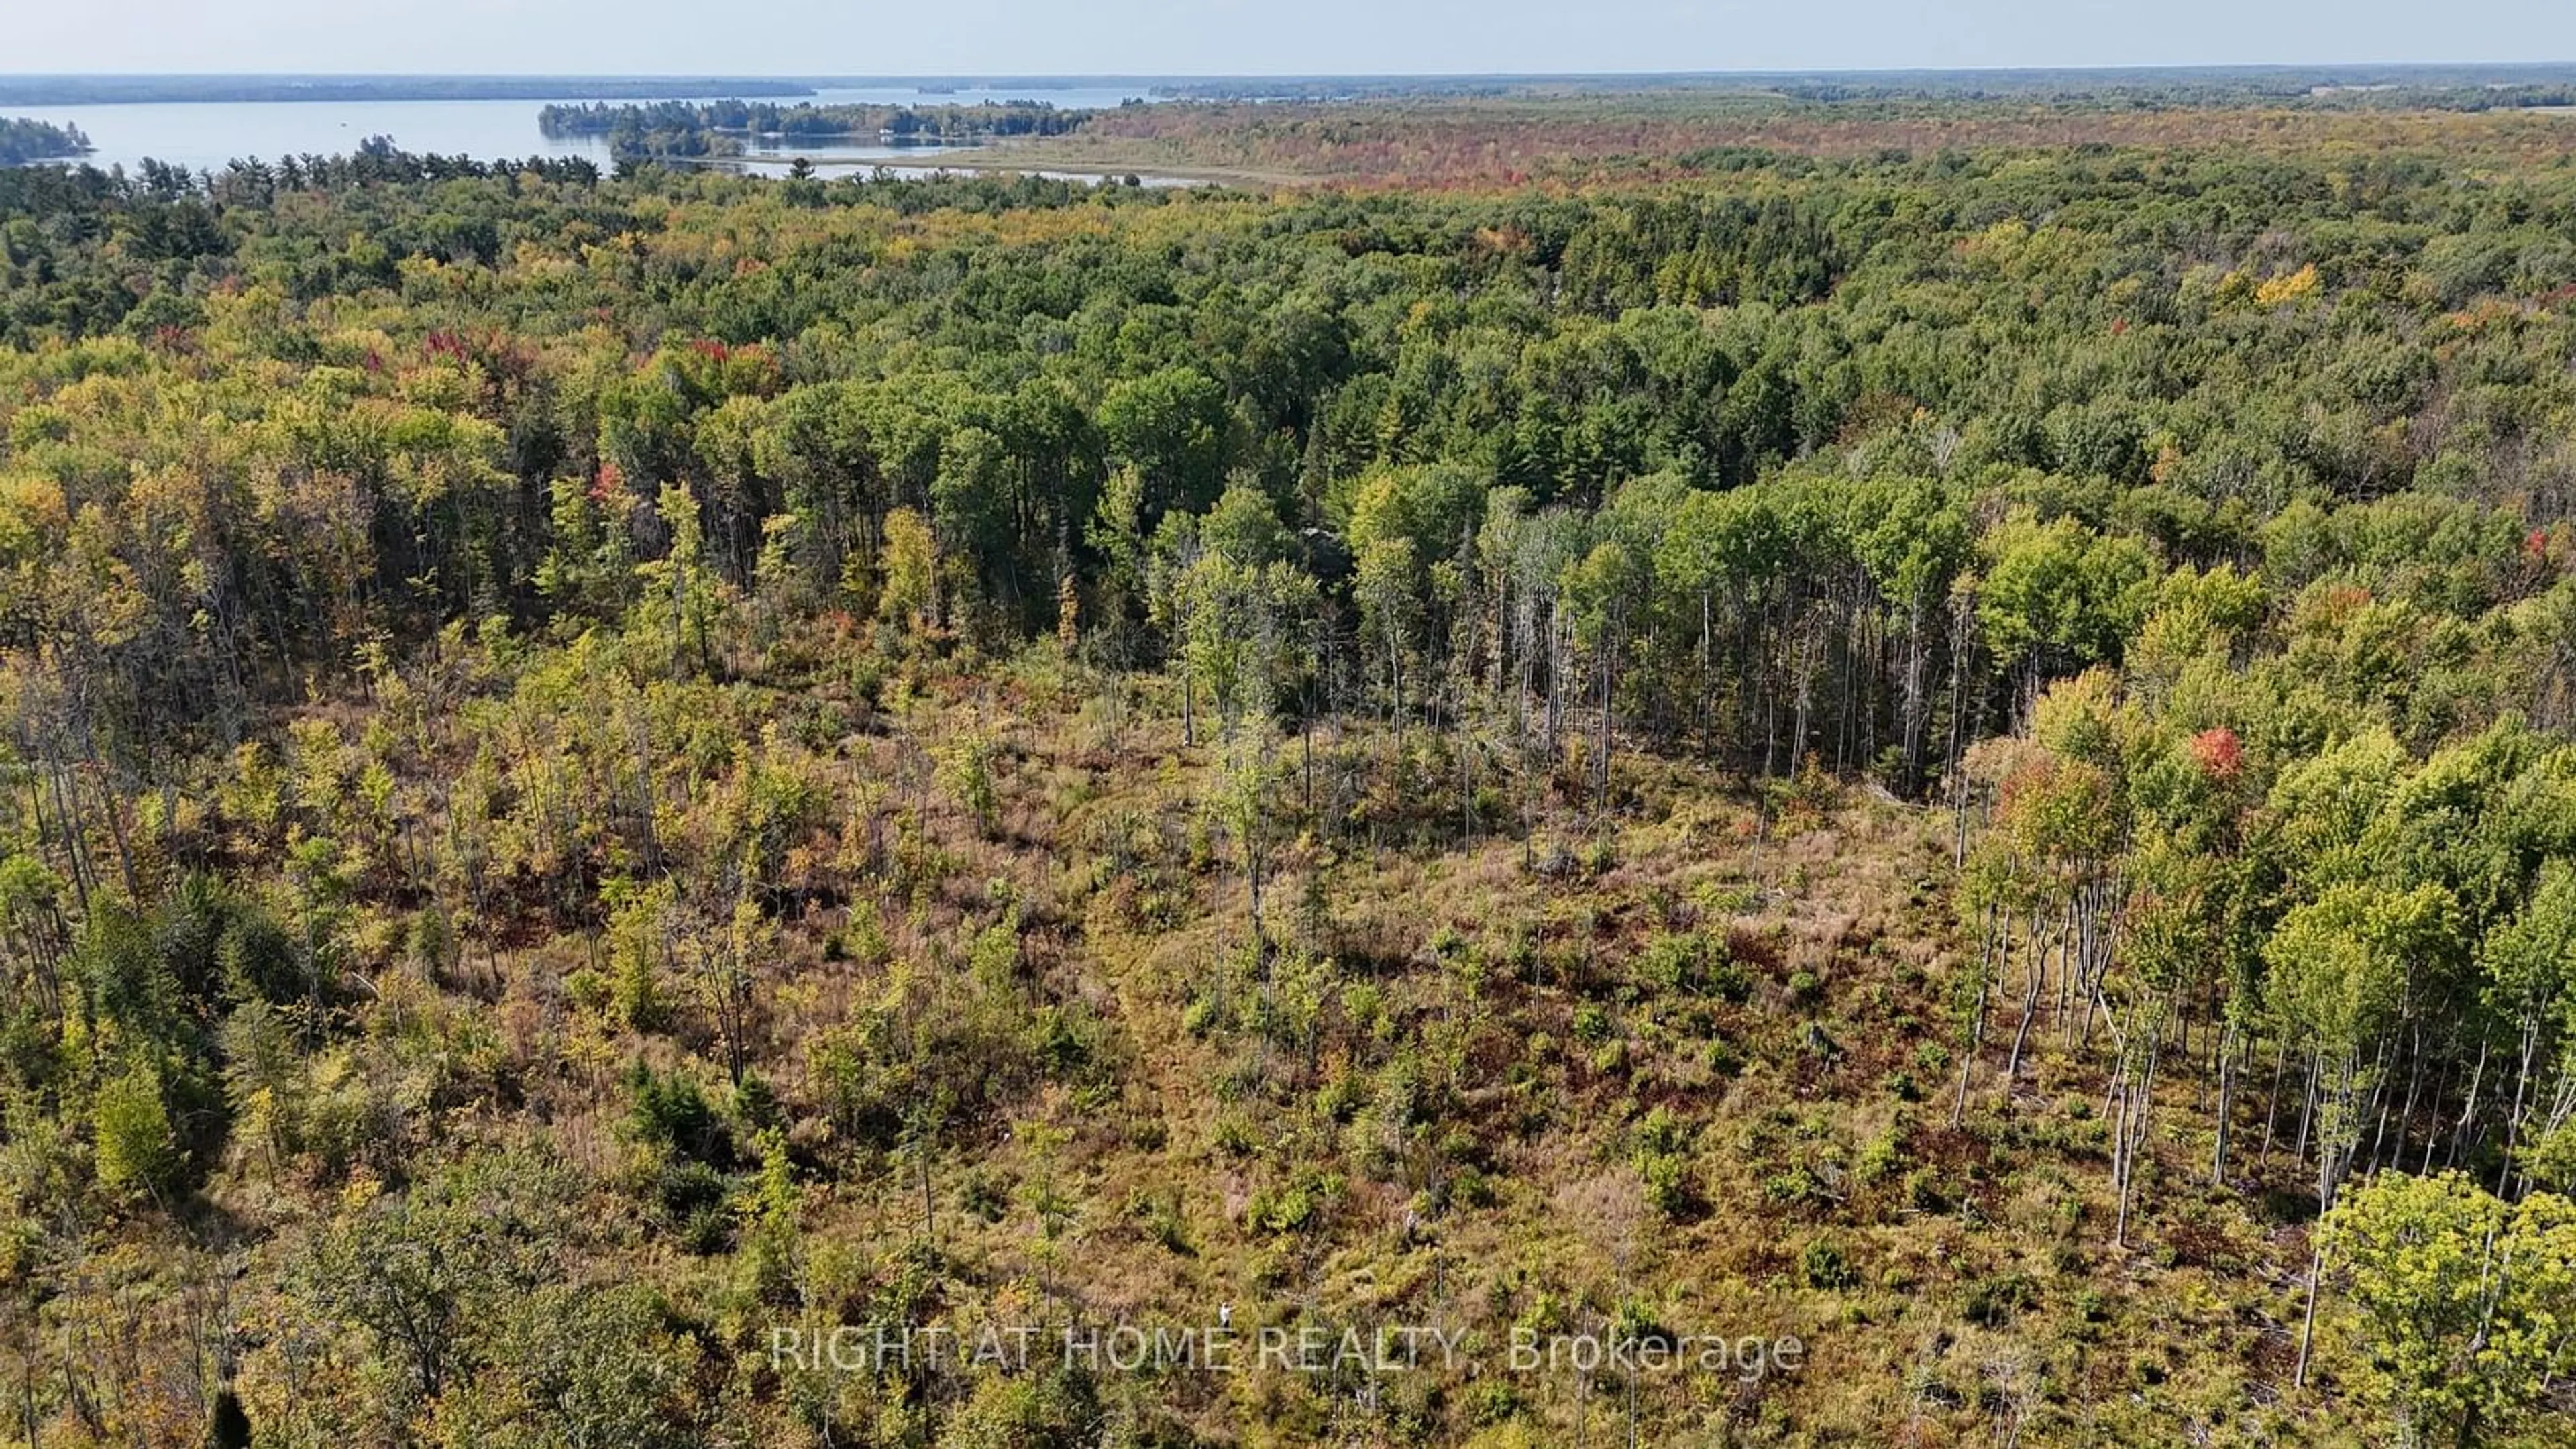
(238, 90)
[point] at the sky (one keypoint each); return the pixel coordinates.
(1251, 37)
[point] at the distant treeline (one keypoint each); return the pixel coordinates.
(2133, 92)
(170, 203)
(2460, 88)
(79, 90)
(704, 128)
(2447, 98)
(25, 140)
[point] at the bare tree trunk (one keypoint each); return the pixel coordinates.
(2272, 1109)
(2036, 978)
(2129, 1131)
(2521, 1084)
(2414, 1079)
(1986, 956)
(2433, 1132)
(2308, 1321)
(2226, 1102)
(2469, 1108)
(1601, 767)
(2308, 1114)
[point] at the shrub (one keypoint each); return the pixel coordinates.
(672, 1113)
(1670, 1189)
(1822, 1264)
(1996, 1301)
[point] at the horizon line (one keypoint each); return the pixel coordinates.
(1762, 73)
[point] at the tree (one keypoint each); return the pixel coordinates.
(2529, 960)
(138, 1154)
(2467, 1305)
(2059, 594)
(1604, 591)
(908, 592)
(1170, 426)
(2339, 968)
(678, 586)
(1389, 593)
(429, 1275)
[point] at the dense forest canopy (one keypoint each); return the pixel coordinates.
(1961, 752)
(1580, 138)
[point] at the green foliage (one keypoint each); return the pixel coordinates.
(967, 771)
(23, 140)
(1822, 1264)
(436, 1276)
(2466, 1304)
(2059, 593)
(1385, 747)
(138, 1154)
(671, 1112)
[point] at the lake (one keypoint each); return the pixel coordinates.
(205, 135)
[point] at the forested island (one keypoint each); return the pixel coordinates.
(23, 140)
(1941, 732)
(719, 128)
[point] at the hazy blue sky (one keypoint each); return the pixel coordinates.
(1252, 36)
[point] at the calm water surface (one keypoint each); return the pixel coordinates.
(204, 136)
